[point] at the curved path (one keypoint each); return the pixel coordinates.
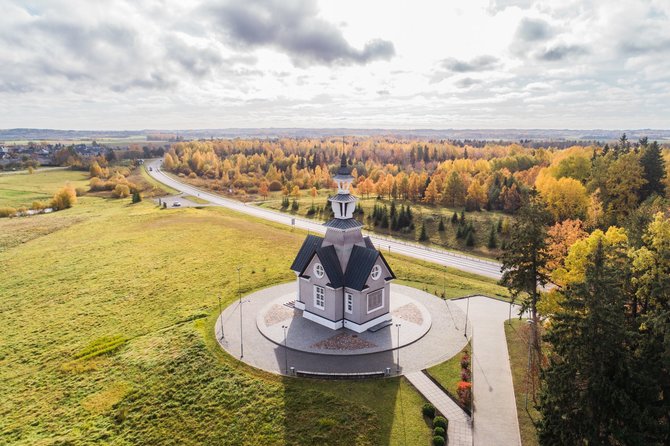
(466, 263)
(441, 342)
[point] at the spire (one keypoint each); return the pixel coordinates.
(343, 162)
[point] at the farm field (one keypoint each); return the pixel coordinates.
(108, 334)
(21, 190)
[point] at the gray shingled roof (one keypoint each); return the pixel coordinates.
(309, 247)
(342, 198)
(359, 267)
(368, 242)
(331, 265)
(349, 223)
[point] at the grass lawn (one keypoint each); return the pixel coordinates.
(517, 345)
(448, 374)
(21, 190)
(107, 335)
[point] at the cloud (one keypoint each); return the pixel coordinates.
(533, 30)
(466, 82)
(560, 52)
(293, 27)
(480, 63)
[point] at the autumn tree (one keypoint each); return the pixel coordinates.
(264, 189)
(454, 190)
(432, 194)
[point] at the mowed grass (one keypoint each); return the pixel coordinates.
(21, 190)
(448, 374)
(107, 336)
(517, 344)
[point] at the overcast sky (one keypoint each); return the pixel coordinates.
(336, 63)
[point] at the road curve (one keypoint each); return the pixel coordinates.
(466, 263)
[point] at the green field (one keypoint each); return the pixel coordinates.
(107, 335)
(20, 190)
(448, 374)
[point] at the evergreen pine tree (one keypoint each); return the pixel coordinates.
(593, 391)
(137, 197)
(525, 259)
(440, 227)
(424, 235)
(654, 170)
(500, 225)
(470, 238)
(462, 217)
(493, 242)
(454, 218)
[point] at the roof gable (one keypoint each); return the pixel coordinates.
(360, 264)
(307, 250)
(331, 265)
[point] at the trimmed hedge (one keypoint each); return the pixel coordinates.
(428, 411)
(441, 422)
(438, 431)
(438, 441)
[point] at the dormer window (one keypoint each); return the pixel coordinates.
(376, 272)
(318, 270)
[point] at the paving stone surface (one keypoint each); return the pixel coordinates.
(444, 339)
(460, 424)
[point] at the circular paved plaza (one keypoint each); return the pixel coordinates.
(273, 336)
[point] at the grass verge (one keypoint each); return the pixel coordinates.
(517, 345)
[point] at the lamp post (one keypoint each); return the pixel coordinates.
(467, 313)
(284, 327)
(398, 364)
(221, 319)
(239, 292)
(509, 319)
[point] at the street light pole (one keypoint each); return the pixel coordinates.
(284, 327)
(239, 292)
(221, 319)
(398, 365)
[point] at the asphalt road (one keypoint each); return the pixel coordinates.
(466, 263)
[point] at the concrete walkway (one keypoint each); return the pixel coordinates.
(460, 425)
(495, 416)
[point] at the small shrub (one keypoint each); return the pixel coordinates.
(294, 205)
(440, 422)
(80, 191)
(428, 411)
(38, 205)
(465, 361)
(440, 432)
(65, 198)
(137, 197)
(192, 175)
(438, 441)
(121, 191)
(466, 375)
(465, 393)
(7, 212)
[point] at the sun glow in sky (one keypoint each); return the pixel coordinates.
(308, 63)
